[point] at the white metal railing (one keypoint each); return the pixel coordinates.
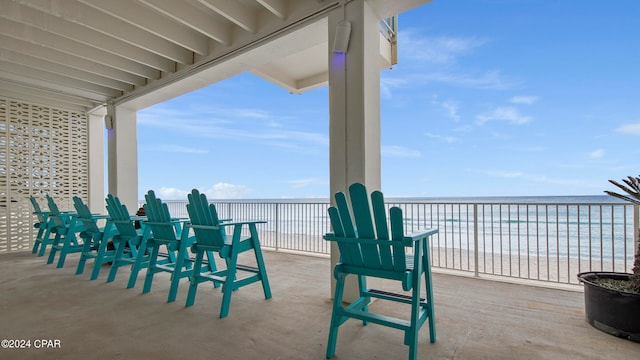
(549, 242)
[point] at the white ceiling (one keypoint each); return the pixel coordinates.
(80, 54)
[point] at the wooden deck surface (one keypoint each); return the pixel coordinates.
(476, 319)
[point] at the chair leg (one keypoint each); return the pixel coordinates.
(336, 316)
(262, 270)
(38, 240)
(45, 240)
(194, 279)
(362, 286)
(151, 268)
(116, 263)
(229, 284)
(63, 251)
(429, 291)
(54, 248)
(86, 249)
(42, 240)
(411, 334)
(69, 241)
(140, 262)
(177, 272)
(101, 257)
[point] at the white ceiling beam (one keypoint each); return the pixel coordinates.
(82, 34)
(103, 23)
(148, 19)
(192, 18)
(235, 12)
(44, 81)
(19, 91)
(276, 7)
(53, 78)
(49, 40)
(58, 57)
(64, 70)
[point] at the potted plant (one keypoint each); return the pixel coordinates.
(612, 299)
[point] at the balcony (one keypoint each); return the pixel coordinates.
(476, 319)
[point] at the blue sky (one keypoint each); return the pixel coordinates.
(489, 98)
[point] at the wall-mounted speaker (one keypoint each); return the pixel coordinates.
(341, 37)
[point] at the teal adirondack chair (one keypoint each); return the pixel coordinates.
(368, 251)
(66, 227)
(44, 226)
(167, 233)
(130, 243)
(210, 235)
(95, 239)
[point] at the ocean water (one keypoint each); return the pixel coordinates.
(579, 227)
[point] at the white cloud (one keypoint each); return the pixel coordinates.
(169, 193)
(509, 114)
(491, 80)
(217, 191)
(630, 129)
(448, 139)
(227, 191)
(504, 173)
(597, 154)
(210, 125)
(526, 100)
(177, 149)
(387, 84)
(399, 152)
(302, 183)
(438, 50)
(452, 109)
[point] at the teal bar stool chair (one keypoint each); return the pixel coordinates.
(44, 225)
(210, 235)
(130, 243)
(168, 234)
(66, 227)
(366, 249)
(95, 239)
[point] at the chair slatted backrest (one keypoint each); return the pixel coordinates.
(85, 216)
(54, 212)
(368, 253)
(42, 218)
(201, 213)
(120, 217)
(159, 218)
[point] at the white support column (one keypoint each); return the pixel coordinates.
(123, 155)
(354, 109)
(96, 161)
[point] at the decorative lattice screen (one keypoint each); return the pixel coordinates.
(43, 150)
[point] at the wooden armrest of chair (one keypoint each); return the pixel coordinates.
(420, 234)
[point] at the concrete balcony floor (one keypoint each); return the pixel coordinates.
(476, 319)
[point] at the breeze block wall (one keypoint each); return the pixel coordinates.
(43, 150)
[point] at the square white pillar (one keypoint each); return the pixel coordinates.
(96, 161)
(354, 108)
(122, 140)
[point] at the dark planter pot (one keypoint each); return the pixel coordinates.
(614, 312)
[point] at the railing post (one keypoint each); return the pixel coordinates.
(277, 220)
(476, 255)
